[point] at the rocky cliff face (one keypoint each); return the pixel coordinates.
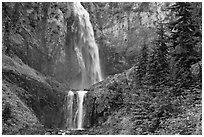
(55, 39)
(30, 101)
(105, 98)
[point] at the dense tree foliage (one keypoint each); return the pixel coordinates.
(185, 36)
(174, 50)
(167, 76)
(158, 65)
(142, 66)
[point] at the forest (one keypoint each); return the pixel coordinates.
(140, 64)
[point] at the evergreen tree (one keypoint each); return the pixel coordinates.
(142, 66)
(183, 40)
(152, 73)
(158, 67)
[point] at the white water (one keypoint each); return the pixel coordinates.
(75, 117)
(86, 51)
(88, 65)
(81, 95)
(70, 122)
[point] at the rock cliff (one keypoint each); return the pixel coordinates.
(31, 102)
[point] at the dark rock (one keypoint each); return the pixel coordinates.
(104, 98)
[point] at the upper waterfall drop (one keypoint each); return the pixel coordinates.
(86, 50)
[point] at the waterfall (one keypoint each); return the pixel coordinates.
(85, 59)
(75, 116)
(70, 122)
(81, 95)
(84, 65)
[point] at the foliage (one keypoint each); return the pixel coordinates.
(148, 111)
(142, 66)
(185, 35)
(158, 65)
(158, 104)
(158, 95)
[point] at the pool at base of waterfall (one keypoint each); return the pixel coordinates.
(67, 132)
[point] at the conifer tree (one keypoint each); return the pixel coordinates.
(151, 69)
(183, 40)
(142, 66)
(158, 67)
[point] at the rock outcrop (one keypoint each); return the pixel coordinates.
(104, 98)
(117, 106)
(30, 101)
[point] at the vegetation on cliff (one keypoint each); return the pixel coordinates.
(31, 102)
(151, 56)
(160, 94)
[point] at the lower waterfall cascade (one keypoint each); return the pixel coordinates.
(69, 123)
(80, 111)
(75, 116)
